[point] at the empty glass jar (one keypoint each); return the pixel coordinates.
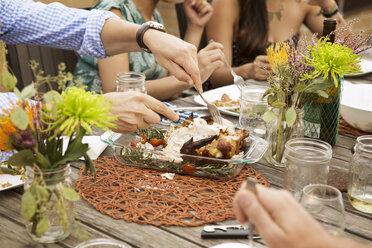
(306, 162)
(130, 81)
(360, 176)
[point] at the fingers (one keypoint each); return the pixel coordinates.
(250, 206)
(212, 45)
(283, 208)
(160, 108)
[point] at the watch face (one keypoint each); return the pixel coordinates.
(156, 25)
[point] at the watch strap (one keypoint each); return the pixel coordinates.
(139, 37)
(328, 14)
(141, 31)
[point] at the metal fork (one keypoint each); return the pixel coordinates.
(238, 80)
(213, 110)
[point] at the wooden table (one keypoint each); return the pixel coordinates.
(13, 233)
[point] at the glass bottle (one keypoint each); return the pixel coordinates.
(360, 175)
(130, 81)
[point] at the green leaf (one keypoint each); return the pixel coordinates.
(322, 93)
(42, 226)
(75, 150)
(318, 84)
(299, 88)
(22, 158)
(53, 98)
(28, 205)
(42, 161)
(42, 193)
(9, 80)
(28, 92)
(70, 194)
(17, 93)
(19, 118)
(290, 116)
(268, 116)
(271, 99)
(278, 104)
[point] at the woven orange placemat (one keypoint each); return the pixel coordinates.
(143, 196)
(344, 127)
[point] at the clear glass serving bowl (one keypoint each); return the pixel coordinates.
(186, 164)
(103, 243)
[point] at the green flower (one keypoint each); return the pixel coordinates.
(79, 108)
(331, 60)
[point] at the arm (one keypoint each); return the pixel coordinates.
(316, 24)
(282, 222)
(93, 33)
(198, 13)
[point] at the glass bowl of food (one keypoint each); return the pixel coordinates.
(197, 147)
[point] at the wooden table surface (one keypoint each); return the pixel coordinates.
(13, 233)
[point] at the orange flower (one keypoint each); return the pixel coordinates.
(7, 128)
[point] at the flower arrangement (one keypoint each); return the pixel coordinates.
(302, 74)
(36, 130)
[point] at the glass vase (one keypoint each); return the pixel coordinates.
(53, 217)
(278, 133)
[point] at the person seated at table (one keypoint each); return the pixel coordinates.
(282, 222)
(101, 74)
(100, 34)
(246, 28)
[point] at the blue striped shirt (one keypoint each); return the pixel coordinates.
(53, 25)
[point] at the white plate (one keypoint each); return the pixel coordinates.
(365, 66)
(212, 95)
(231, 245)
(15, 180)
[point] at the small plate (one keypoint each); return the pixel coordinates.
(14, 180)
(365, 66)
(212, 95)
(231, 245)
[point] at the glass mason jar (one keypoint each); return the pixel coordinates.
(130, 81)
(306, 162)
(360, 175)
(252, 108)
(277, 134)
(53, 218)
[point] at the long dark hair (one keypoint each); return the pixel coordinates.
(253, 28)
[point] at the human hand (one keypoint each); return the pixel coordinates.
(177, 56)
(137, 111)
(280, 219)
(198, 12)
(260, 68)
(210, 58)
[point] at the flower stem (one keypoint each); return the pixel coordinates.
(279, 129)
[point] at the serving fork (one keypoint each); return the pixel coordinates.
(238, 80)
(213, 110)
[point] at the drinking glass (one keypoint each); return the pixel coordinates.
(306, 162)
(102, 243)
(130, 81)
(325, 204)
(360, 175)
(252, 107)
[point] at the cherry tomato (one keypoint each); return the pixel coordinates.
(133, 144)
(157, 142)
(144, 138)
(188, 168)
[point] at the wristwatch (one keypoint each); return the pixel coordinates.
(328, 14)
(141, 31)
